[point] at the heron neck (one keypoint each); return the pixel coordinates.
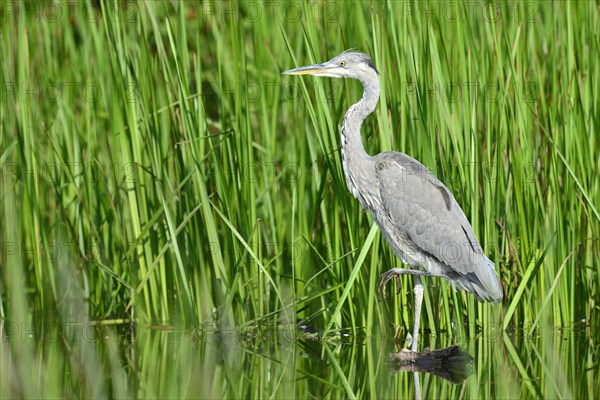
(356, 114)
(355, 159)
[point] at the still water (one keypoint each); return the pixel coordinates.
(88, 360)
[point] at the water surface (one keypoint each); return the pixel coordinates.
(288, 362)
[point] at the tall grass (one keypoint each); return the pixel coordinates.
(157, 170)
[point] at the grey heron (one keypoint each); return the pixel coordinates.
(416, 213)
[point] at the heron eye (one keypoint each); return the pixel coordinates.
(342, 63)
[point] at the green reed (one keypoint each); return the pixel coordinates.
(158, 170)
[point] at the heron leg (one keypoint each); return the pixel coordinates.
(395, 273)
(418, 302)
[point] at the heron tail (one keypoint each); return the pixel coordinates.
(482, 282)
(487, 287)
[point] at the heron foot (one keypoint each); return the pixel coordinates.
(395, 273)
(386, 277)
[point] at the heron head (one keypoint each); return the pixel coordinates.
(349, 64)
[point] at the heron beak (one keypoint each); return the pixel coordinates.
(308, 70)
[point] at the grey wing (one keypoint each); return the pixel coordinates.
(426, 215)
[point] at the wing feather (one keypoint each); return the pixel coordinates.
(423, 210)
